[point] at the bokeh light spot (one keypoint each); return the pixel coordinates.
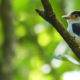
(56, 63)
(46, 68)
(44, 39)
(74, 75)
(20, 31)
(39, 28)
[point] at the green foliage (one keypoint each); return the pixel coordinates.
(37, 42)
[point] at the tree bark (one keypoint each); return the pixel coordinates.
(6, 63)
(49, 15)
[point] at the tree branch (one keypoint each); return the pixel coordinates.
(49, 15)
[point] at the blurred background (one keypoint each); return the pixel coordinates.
(37, 44)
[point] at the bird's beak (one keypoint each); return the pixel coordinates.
(65, 17)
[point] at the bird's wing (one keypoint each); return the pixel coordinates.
(76, 28)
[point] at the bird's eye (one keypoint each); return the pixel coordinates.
(76, 15)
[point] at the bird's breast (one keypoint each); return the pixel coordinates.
(74, 31)
(70, 30)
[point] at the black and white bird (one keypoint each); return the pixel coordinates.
(73, 20)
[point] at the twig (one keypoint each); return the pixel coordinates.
(49, 15)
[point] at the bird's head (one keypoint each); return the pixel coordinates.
(72, 17)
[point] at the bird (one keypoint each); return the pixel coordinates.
(73, 20)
